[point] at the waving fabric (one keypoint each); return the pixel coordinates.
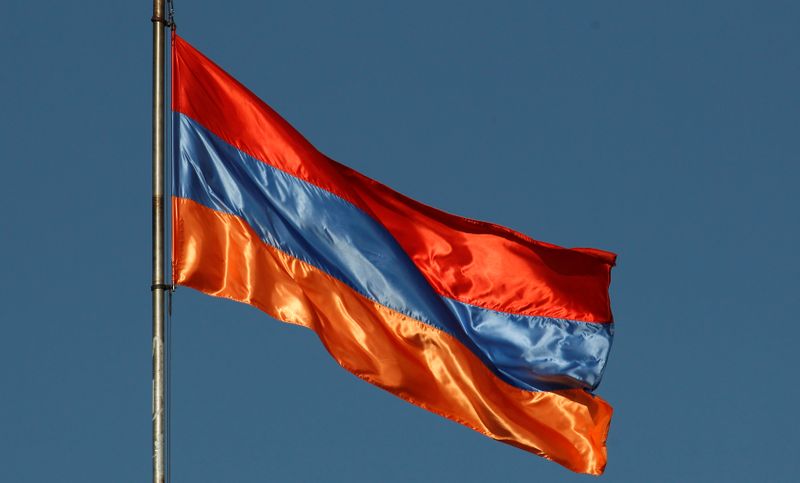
(470, 320)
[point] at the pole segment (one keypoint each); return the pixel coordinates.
(158, 287)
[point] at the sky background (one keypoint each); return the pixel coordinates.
(665, 132)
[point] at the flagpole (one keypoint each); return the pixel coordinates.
(158, 287)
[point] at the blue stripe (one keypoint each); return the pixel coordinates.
(318, 227)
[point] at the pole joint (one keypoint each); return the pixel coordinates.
(166, 22)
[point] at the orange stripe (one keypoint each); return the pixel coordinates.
(219, 254)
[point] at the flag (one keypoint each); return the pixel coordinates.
(469, 320)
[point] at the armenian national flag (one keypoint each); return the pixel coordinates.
(470, 320)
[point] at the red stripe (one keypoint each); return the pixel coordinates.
(219, 254)
(475, 262)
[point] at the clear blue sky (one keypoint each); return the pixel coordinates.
(666, 133)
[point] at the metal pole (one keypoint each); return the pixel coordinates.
(158, 287)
